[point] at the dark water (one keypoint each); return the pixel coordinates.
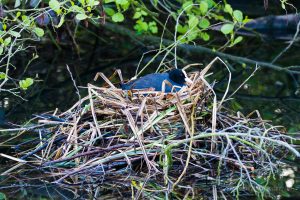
(275, 94)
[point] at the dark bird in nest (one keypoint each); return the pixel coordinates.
(173, 81)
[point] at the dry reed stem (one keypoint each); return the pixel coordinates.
(123, 135)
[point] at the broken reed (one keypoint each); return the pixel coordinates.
(153, 141)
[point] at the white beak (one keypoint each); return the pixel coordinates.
(188, 80)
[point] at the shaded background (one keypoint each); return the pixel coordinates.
(274, 94)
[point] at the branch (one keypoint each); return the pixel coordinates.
(193, 49)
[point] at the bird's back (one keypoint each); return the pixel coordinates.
(150, 81)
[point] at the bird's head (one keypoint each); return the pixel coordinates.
(179, 76)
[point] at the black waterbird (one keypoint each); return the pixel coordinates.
(176, 79)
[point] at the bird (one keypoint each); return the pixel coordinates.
(174, 81)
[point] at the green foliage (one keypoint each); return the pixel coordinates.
(118, 17)
(25, 84)
(152, 27)
(192, 21)
(168, 155)
(228, 8)
(238, 20)
(2, 196)
(284, 3)
(238, 16)
(38, 31)
(109, 11)
(195, 19)
(236, 41)
(203, 7)
(204, 23)
(81, 16)
(2, 76)
(201, 14)
(139, 13)
(54, 5)
(227, 29)
(23, 23)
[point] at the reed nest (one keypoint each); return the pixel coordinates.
(152, 143)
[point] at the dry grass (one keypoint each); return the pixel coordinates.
(150, 144)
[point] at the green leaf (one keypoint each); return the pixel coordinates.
(144, 13)
(38, 31)
(4, 26)
(90, 2)
(203, 7)
(109, 11)
(141, 26)
(204, 23)
(96, 3)
(17, 15)
(246, 20)
(187, 6)
(2, 196)
(181, 39)
(54, 5)
(236, 41)
(182, 29)
(109, 1)
(144, 26)
(2, 75)
(25, 84)
(81, 16)
(210, 3)
(137, 15)
(153, 27)
(26, 20)
(193, 34)
(17, 3)
(122, 2)
(228, 9)
(205, 36)
(238, 15)
(193, 21)
(168, 153)
(82, 2)
(1, 50)
(7, 41)
(14, 33)
(76, 9)
(118, 17)
(227, 28)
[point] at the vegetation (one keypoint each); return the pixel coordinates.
(155, 145)
(184, 145)
(23, 22)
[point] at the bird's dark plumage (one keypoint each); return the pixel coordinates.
(176, 77)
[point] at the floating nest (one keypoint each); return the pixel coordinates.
(149, 144)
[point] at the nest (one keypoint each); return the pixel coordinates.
(154, 143)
